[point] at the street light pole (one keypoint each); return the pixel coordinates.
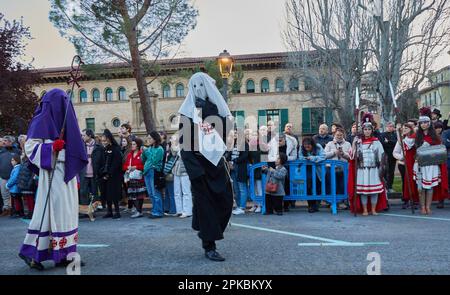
(226, 63)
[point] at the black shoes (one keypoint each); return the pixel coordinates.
(440, 205)
(116, 216)
(31, 263)
(214, 256)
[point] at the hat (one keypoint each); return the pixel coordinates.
(437, 112)
(367, 121)
(425, 115)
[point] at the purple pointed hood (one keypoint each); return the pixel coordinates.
(47, 123)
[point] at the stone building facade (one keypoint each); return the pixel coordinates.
(269, 92)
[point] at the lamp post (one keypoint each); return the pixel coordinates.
(226, 63)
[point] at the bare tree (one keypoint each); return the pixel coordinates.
(411, 35)
(340, 37)
(127, 31)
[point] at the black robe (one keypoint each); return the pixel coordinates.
(111, 188)
(211, 186)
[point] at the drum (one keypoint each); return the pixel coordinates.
(431, 155)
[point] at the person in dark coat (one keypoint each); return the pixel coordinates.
(111, 174)
(90, 174)
(389, 140)
(210, 181)
(27, 185)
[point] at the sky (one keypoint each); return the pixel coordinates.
(240, 26)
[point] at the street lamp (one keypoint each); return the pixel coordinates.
(226, 63)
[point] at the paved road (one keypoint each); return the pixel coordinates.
(255, 244)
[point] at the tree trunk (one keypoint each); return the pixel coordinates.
(141, 83)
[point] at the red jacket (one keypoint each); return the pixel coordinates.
(136, 161)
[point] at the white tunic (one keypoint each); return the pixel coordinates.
(368, 179)
(426, 177)
(59, 234)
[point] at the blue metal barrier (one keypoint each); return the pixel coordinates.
(298, 182)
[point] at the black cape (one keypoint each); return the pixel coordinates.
(211, 186)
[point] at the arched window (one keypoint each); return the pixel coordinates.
(122, 92)
(95, 95)
(180, 90)
(116, 122)
(250, 86)
(279, 85)
(166, 91)
(293, 84)
(108, 94)
(83, 95)
(264, 85)
(308, 84)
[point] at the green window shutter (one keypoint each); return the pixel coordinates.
(329, 116)
(262, 118)
(306, 120)
(284, 118)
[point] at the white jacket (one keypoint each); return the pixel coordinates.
(291, 149)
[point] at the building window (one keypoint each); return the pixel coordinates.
(108, 94)
(95, 95)
(180, 90)
(265, 86)
(293, 84)
(279, 85)
(174, 121)
(116, 122)
(166, 91)
(279, 117)
(122, 93)
(308, 84)
(239, 119)
(435, 98)
(250, 86)
(312, 118)
(90, 123)
(83, 95)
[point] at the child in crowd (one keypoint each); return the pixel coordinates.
(277, 177)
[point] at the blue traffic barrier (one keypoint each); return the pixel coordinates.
(330, 175)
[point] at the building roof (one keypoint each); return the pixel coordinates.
(259, 61)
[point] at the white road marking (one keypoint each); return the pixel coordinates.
(328, 242)
(415, 217)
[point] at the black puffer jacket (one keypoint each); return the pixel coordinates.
(25, 181)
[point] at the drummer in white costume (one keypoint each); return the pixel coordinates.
(56, 223)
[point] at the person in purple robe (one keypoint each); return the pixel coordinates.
(53, 230)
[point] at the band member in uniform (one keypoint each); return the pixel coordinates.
(204, 110)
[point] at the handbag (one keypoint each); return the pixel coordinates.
(270, 186)
(134, 174)
(431, 155)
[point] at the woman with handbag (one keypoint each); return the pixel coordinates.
(134, 178)
(152, 158)
(431, 180)
(275, 185)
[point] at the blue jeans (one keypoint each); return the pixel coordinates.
(154, 194)
(169, 198)
(240, 190)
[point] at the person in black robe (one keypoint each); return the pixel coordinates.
(210, 181)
